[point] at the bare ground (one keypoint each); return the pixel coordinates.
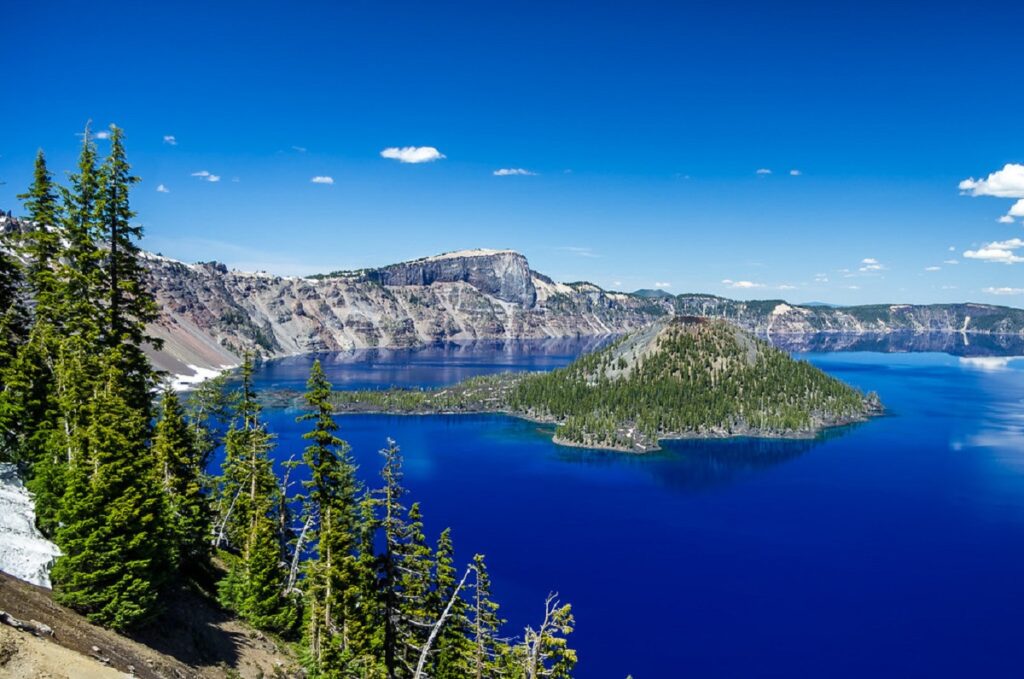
(193, 638)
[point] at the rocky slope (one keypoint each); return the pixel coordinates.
(211, 314)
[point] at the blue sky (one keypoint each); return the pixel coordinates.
(643, 126)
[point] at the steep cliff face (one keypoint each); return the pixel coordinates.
(211, 314)
(502, 274)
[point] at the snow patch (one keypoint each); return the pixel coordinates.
(24, 552)
(184, 382)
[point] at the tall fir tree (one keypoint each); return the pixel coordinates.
(485, 625)
(14, 321)
(453, 650)
(80, 269)
(113, 537)
(179, 467)
(128, 302)
(42, 242)
(331, 500)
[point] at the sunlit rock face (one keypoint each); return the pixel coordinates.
(24, 552)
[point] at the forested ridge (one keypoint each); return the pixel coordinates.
(120, 468)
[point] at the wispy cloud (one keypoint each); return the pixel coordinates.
(1003, 291)
(299, 149)
(763, 170)
(578, 251)
(207, 176)
(170, 140)
(662, 286)
(1002, 252)
(162, 189)
(933, 268)
(1005, 183)
(870, 265)
(102, 134)
(513, 172)
(795, 173)
(322, 179)
(741, 285)
(951, 261)
(820, 278)
(412, 154)
(785, 286)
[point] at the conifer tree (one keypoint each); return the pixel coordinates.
(453, 649)
(14, 321)
(80, 271)
(485, 624)
(332, 500)
(42, 241)
(393, 525)
(112, 533)
(128, 302)
(178, 464)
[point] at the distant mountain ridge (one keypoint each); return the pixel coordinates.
(210, 313)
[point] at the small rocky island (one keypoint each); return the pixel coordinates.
(682, 377)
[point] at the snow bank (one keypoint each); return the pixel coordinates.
(24, 552)
(185, 382)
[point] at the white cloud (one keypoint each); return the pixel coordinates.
(322, 179)
(617, 284)
(853, 287)
(952, 248)
(786, 286)
(933, 268)
(1003, 252)
(662, 285)
(162, 189)
(741, 285)
(1004, 291)
(299, 149)
(951, 261)
(412, 154)
(102, 134)
(513, 172)
(795, 173)
(763, 170)
(1005, 183)
(206, 176)
(170, 140)
(578, 251)
(869, 265)
(820, 278)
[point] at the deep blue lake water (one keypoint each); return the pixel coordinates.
(891, 548)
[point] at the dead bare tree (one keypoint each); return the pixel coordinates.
(425, 653)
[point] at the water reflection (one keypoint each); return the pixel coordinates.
(955, 344)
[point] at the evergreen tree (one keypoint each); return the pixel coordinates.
(80, 271)
(42, 241)
(112, 533)
(128, 302)
(332, 499)
(178, 463)
(485, 624)
(453, 651)
(394, 528)
(14, 321)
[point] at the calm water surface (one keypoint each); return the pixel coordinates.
(892, 548)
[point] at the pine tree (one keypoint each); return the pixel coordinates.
(42, 242)
(112, 534)
(485, 624)
(453, 652)
(178, 463)
(80, 271)
(332, 499)
(128, 302)
(394, 528)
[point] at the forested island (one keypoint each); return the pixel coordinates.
(681, 377)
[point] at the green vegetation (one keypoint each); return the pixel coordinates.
(685, 377)
(122, 482)
(694, 377)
